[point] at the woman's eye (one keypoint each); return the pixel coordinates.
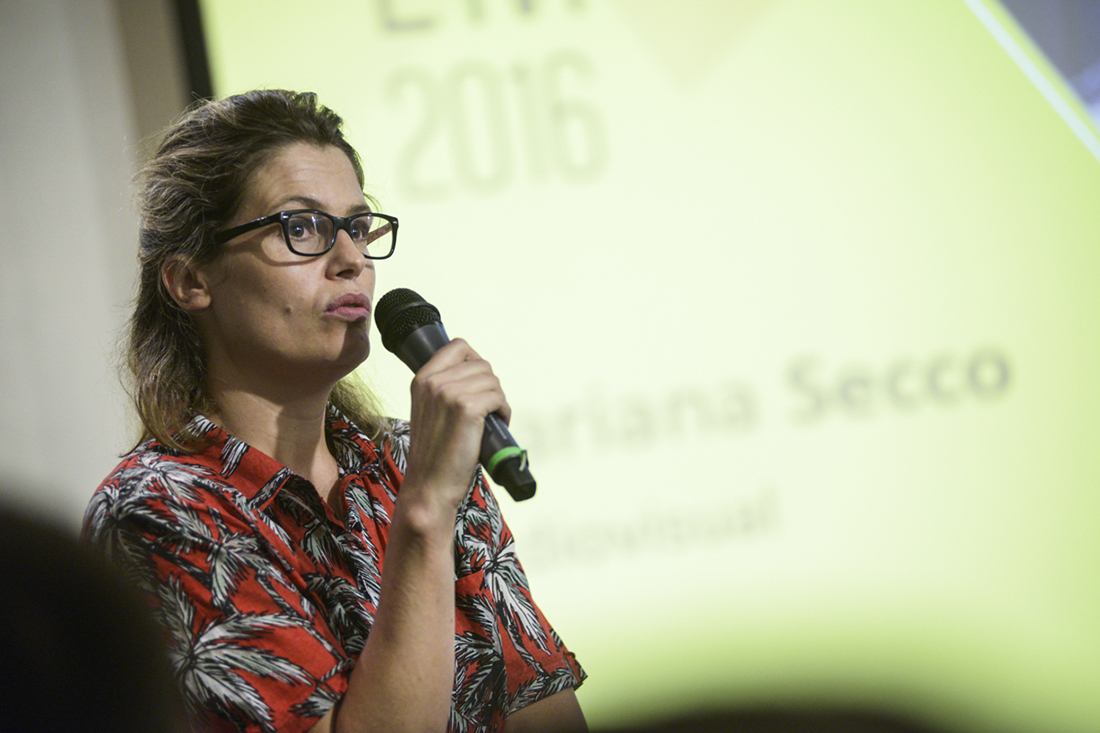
(302, 227)
(359, 229)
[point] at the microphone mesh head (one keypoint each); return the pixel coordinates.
(400, 312)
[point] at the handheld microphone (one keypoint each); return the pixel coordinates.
(412, 329)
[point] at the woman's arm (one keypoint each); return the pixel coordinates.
(559, 713)
(403, 678)
(405, 674)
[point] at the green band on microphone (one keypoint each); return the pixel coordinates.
(502, 455)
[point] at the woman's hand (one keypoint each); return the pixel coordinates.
(451, 397)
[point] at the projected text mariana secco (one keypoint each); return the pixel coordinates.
(815, 389)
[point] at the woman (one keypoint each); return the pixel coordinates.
(316, 567)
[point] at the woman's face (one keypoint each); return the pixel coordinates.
(273, 315)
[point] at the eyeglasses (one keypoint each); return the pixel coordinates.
(311, 233)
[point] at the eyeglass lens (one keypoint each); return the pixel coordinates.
(312, 233)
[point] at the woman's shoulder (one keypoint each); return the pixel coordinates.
(153, 472)
(153, 484)
(152, 458)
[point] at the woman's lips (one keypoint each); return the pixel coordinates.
(350, 307)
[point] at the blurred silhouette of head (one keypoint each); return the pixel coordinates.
(78, 648)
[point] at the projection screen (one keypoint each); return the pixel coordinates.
(796, 305)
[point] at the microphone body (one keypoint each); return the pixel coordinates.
(411, 328)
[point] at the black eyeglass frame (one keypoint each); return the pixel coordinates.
(283, 218)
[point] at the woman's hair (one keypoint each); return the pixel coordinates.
(190, 189)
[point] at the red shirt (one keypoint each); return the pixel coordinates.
(268, 597)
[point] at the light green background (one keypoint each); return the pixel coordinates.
(646, 215)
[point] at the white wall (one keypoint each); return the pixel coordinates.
(68, 147)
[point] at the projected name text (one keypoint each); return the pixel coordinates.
(904, 384)
(600, 420)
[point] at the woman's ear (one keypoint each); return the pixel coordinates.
(187, 284)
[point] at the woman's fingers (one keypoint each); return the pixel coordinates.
(457, 373)
(451, 396)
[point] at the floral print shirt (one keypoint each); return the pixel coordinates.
(268, 596)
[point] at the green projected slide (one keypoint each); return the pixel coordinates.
(796, 306)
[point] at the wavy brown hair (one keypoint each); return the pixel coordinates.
(190, 189)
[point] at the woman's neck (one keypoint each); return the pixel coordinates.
(291, 432)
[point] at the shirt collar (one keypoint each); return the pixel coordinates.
(256, 475)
